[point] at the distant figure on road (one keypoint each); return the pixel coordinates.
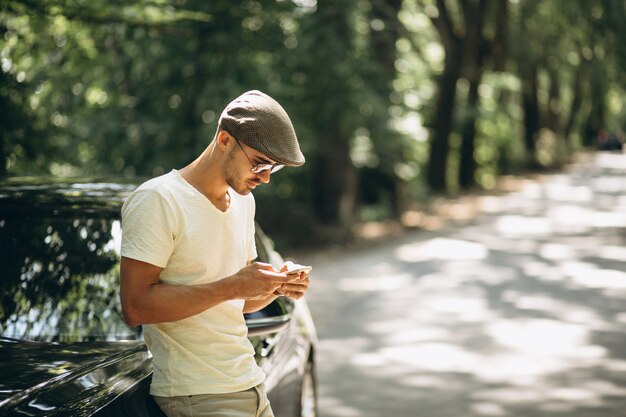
(610, 141)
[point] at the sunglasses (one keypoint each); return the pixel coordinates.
(257, 169)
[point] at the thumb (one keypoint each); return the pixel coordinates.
(286, 266)
(264, 266)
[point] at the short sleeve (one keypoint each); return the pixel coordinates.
(252, 253)
(149, 228)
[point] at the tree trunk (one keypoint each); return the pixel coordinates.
(3, 158)
(574, 108)
(499, 43)
(384, 41)
(597, 115)
(335, 184)
(473, 47)
(467, 168)
(553, 109)
(530, 104)
(383, 47)
(334, 187)
(444, 111)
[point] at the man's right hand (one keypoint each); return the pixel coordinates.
(258, 281)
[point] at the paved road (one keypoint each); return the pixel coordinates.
(520, 312)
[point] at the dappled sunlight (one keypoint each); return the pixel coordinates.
(438, 282)
(555, 251)
(378, 283)
(566, 192)
(460, 308)
(613, 161)
(515, 225)
(441, 248)
(488, 409)
(338, 407)
(572, 219)
(520, 313)
(407, 333)
(553, 399)
(616, 253)
(545, 337)
(435, 357)
(542, 271)
(566, 311)
(612, 185)
(492, 204)
(588, 275)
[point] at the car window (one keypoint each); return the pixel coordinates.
(60, 273)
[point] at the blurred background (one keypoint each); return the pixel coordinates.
(394, 101)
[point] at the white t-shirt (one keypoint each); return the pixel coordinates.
(168, 223)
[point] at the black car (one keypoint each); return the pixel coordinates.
(65, 348)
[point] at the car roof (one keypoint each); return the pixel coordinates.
(61, 194)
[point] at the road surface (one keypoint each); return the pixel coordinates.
(520, 312)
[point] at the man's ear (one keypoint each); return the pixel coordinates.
(224, 140)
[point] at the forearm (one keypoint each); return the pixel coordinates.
(159, 303)
(255, 305)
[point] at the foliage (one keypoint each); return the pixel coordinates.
(135, 88)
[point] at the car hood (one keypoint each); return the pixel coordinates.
(28, 366)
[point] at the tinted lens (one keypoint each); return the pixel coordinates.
(266, 167)
(276, 168)
(257, 169)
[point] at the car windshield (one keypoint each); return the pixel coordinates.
(59, 252)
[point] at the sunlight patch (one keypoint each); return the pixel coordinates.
(379, 283)
(588, 275)
(513, 225)
(443, 249)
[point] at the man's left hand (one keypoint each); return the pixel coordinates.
(297, 287)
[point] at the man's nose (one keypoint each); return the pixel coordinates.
(264, 176)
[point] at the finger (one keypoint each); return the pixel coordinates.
(273, 276)
(280, 289)
(284, 278)
(294, 295)
(286, 266)
(294, 288)
(305, 280)
(264, 266)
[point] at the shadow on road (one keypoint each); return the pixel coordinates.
(521, 312)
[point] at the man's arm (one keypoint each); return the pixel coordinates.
(255, 305)
(146, 300)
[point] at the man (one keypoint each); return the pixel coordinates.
(186, 270)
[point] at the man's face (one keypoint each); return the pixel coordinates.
(238, 174)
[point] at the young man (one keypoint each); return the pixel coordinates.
(186, 270)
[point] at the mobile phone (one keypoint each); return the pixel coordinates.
(299, 268)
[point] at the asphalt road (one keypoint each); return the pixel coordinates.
(518, 312)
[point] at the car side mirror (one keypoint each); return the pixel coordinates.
(271, 319)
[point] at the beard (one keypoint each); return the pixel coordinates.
(235, 179)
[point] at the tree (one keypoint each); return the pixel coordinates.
(327, 97)
(568, 55)
(465, 46)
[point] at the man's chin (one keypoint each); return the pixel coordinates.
(244, 189)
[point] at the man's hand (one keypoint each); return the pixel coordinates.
(259, 281)
(297, 287)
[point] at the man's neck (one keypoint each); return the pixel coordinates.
(206, 175)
